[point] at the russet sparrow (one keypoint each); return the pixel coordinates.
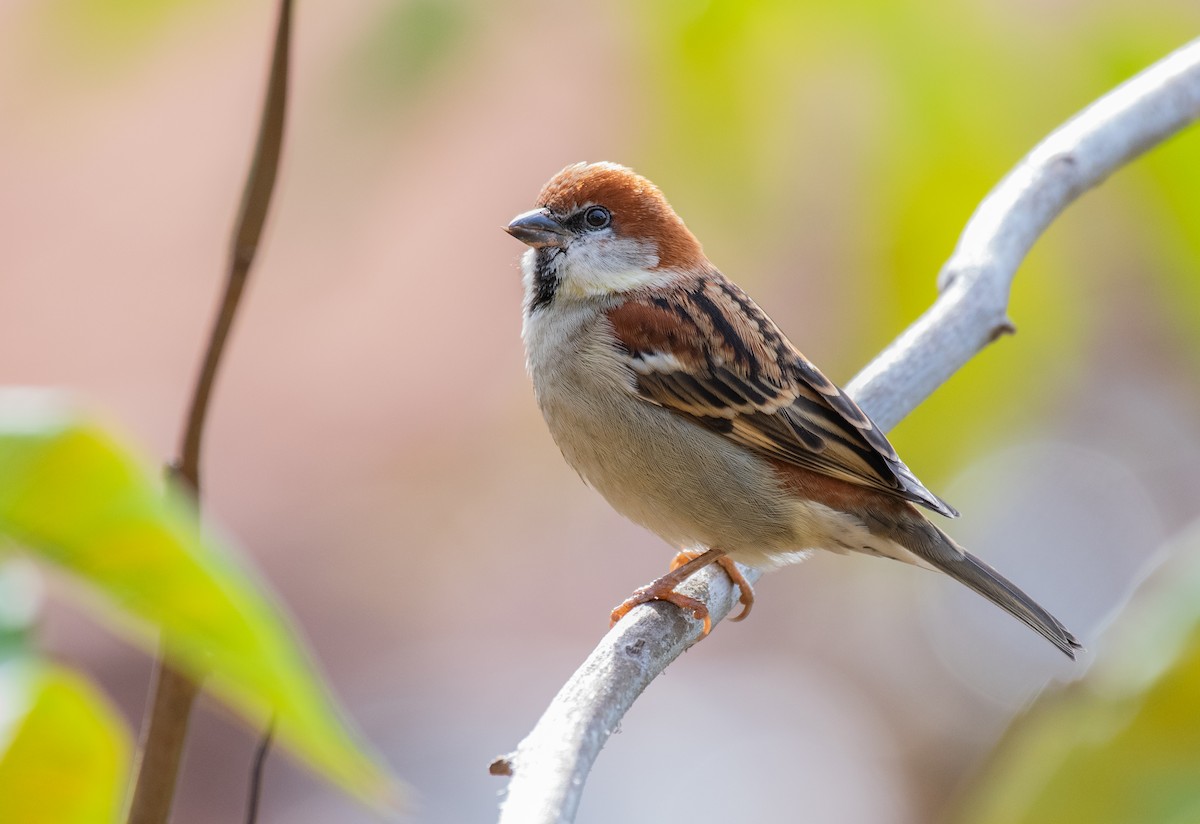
(672, 394)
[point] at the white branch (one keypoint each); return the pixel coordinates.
(972, 309)
(551, 765)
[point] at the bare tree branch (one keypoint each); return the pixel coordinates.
(971, 310)
(551, 765)
(165, 727)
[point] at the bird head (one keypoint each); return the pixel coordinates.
(600, 229)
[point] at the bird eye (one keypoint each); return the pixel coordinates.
(597, 217)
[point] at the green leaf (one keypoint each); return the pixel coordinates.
(1122, 745)
(71, 494)
(64, 751)
(20, 599)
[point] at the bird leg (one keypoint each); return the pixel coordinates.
(684, 564)
(726, 563)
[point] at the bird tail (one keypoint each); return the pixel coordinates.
(935, 547)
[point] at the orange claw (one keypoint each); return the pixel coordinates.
(746, 598)
(657, 591)
(683, 565)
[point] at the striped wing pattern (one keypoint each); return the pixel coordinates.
(704, 349)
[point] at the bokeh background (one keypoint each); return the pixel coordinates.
(374, 445)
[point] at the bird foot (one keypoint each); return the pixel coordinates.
(682, 566)
(746, 597)
(663, 590)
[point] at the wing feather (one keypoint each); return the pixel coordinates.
(704, 350)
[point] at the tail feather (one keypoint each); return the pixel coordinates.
(939, 549)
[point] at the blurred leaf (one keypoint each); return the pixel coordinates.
(409, 44)
(73, 495)
(64, 751)
(20, 600)
(1123, 745)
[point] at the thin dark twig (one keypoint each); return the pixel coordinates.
(174, 692)
(256, 197)
(164, 731)
(256, 773)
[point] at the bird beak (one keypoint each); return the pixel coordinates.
(537, 229)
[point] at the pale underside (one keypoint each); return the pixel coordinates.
(689, 485)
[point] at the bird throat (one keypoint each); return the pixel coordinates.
(547, 275)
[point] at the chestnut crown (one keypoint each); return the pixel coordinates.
(601, 205)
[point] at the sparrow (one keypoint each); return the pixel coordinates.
(674, 395)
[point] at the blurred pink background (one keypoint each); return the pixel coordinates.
(375, 448)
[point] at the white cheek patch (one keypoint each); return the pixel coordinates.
(601, 265)
(605, 253)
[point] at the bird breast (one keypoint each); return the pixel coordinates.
(683, 482)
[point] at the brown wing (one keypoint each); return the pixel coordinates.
(705, 350)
